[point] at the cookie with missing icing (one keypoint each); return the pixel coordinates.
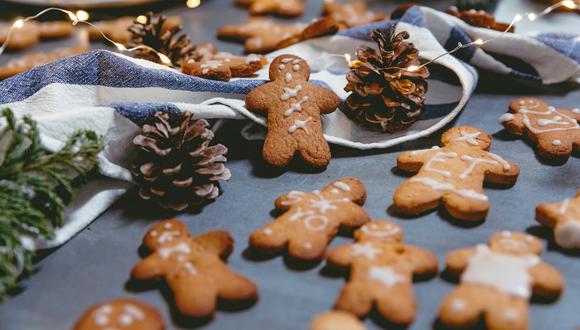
(121, 314)
(497, 281)
(555, 132)
(293, 107)
(311, 220)
(224, 66)
(351, 14)
(259, 34)
(336, 320)
(564, 219)
(453, 175)
(286, 8)
(381, 272)
(193, 268)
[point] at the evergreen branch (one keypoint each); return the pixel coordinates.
(35, 187)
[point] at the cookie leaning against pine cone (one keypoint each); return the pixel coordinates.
(386, 95)
(176, 166)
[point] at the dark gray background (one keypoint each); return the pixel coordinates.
(94, 265)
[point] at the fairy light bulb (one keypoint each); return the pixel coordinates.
(120, 47)
(569, 4)
(82, 15)
(19, 23)
(164, 59)
(141, 19)
(193, 3)
(412, 68)
(517, 18)
(479, 42)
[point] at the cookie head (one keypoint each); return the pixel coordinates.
(351, 188)
(165, 233)
(467, 136)
(288, 68)
(379, 230)
(127, 314)
(515, 243)
(528, 103)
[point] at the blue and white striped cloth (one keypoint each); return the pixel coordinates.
(114, 94)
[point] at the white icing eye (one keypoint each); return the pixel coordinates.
(576, 110)
(529, 238)
(167, 225)
(308, 246)
(268, 231)
(506, 233)
(374, 226)
(153, 233)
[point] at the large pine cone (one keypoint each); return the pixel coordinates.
(175, 165)
(387, 96)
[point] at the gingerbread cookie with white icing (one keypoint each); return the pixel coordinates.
(453, 175)
(285, 8)
(121, 314)
(555, 132)
(311, 220)
(260, 35)
(497, 281)
(336, 320)
(564, 219)
(193, 268)
(293, 107)
(224, 66)
(381, 272)
(351, 14)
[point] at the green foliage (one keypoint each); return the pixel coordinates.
(35, 186)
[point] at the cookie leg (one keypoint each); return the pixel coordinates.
(507, 313)
(236, 287)
(194, 298)
(398, 304)
(278, 149)
(307, 247)
(465, 208)
(550, 147)
(316, 153)
(415, 198)
(463, 307)
(355, 298)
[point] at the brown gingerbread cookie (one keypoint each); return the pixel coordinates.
(30, 33)
(381, 272)
(317, 28)
(224, 66)
(193, 268)
(118, 29)
(286, 8)
(497, 282)
(351, 14)
(54, 29)
(259, 35)
(27, 62)
(336, 320)
(293, 107)
(564, 219)
(453, 175)
(555, 132)
(121, 314)
(311, 220)
(480, 18)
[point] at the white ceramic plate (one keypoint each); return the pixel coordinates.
(82, 3)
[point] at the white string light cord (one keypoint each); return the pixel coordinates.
(479, 42)
(82, 16)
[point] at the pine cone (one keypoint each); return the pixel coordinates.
(164, 38)
(386, 96)
(176, 166)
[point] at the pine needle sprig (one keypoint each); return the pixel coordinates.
(35, 187)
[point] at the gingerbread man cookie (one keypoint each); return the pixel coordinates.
(311, 220)
(121, 314)
(259, 35)
(564, 218)
(381, 272)
(497, 281)
(555, 132)
(286, 8)
(193, 268)
(351, 14)
(293, 107)
(27, 62)
(30, 33)
(453, 175)
(224, 66)
(336, 320)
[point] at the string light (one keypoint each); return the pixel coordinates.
(81, 16)
(480, 42)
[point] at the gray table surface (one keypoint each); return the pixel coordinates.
(94, 265)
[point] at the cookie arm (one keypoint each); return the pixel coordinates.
(423, 261)
(326, 100)
(456, 261)
(513, 123)
(340, 257)
(149, 268)
(547, 281)
(218, 243)
(412, 161)
(503, 172)
(256, 100)
(573, 113)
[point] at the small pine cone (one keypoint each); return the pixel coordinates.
(176, 166)
(163, 36)
(386, 95)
